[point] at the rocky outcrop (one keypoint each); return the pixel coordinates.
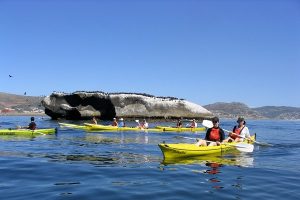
(80, 105)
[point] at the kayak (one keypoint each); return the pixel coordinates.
(74, 126)
(98, 127)
(27, 132)
(182, 129)
(171, 151)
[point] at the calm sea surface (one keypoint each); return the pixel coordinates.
(74, 164)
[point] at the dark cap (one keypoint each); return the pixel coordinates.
(32, 118)
(240, 119)
(215, 119)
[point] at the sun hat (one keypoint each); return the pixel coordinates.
(121, 119)
(240, 119)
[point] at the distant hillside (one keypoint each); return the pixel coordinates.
(279, 112)
(11, 103)
(232, 110)
(235, 109)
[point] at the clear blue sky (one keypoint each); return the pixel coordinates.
(203, 51)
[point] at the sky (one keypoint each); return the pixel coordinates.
(204, 51)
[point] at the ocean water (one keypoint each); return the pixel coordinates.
(74, 164)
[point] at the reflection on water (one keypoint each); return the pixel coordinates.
(244, 160)
(212, 167)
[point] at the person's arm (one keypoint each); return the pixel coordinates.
(232, 133)
(207, 134)
(222, 135)
(247, 133)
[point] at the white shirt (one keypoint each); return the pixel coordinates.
(145, 125)
(245, 133)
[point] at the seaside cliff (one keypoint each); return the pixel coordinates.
(82, 105)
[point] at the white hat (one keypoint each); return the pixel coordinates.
(121, 119)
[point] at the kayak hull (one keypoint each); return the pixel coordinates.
(190, 150)
(27, 132)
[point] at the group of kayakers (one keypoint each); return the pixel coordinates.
(120, 123)
(215, 136)
(193, 124)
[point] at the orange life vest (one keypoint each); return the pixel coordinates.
(237, 132)
(214, 134)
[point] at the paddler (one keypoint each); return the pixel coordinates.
(31, 125)
(179, 123)
(114, 123)
(239, 132)
(94, 120)
(144, 125)
(214, 136)
(121, 122)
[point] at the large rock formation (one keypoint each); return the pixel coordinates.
(80, 105)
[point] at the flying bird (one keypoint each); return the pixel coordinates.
(24, 93)
(10, 76)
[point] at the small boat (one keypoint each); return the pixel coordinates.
(28, 132)
(73, 126)
(182, 129)
(97, 127)
(171, 151)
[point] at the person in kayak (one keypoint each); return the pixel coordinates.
(94, 120)
(239, 132)
(114, 123)
(32, 124)
(144, 125)
(179, 123)
(192, 125)
(121, 123)
(214, 136)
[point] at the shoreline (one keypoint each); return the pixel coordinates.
(23, 114)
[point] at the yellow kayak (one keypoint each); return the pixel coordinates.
(98, 127)
(74, 126)
(171, 151)
(182, 129)
(27, 132)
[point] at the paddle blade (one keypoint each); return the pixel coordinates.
(243, 147)
(207, 123)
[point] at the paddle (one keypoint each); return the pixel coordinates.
(243, 147)
(209, 124)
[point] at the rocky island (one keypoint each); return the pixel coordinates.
(83, 105)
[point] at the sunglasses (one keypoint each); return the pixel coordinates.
(214, 122)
